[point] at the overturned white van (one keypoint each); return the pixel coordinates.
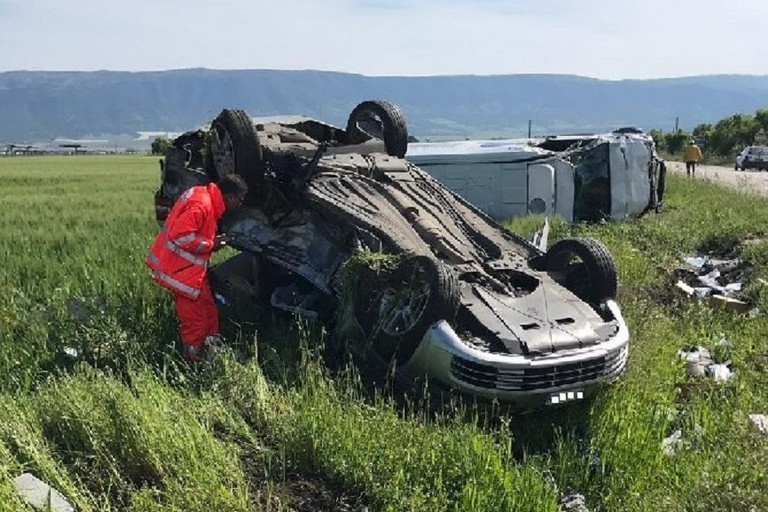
(580, 177)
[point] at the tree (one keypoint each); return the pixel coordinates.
(658, 138)
(160, 146)
(675, 141)
(702, 131)
(731, 134)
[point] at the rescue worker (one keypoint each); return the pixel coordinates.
(691, 156)
(179, 260)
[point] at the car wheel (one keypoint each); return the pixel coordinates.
(406, 302)
(235, 147)
(381, 120)
(585, 267)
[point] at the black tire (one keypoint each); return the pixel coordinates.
(381, 120)
(416, 294)
(587, 268)
(235, 147)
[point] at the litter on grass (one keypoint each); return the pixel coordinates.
(700, 363)
(717, 280)
(760, 421)
(571, 501)
(41, 496)
(683, 435)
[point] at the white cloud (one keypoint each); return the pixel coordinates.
(649, 38)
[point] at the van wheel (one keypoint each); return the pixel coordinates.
(235, 147)
(377, 119)
(585, 267)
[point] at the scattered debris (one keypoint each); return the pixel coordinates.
(40, 495)
(572, 501)
(720, 281)
(682, 434)
(760, 421)
(541, 238)
(71, 352)
(729, 303)
(672, 444)
(720, 372)
(700, 363)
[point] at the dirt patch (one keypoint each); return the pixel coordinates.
(304, 494)
(747, 181)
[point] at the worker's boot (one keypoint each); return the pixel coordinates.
(192, 353)
(213, 344)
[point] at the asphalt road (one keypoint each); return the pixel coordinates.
(747, 181)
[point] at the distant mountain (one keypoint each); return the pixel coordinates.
(40, 105)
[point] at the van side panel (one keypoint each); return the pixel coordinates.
(541, 189)
(513, 187)
(630, 182)
(482, 184)
(565, 189)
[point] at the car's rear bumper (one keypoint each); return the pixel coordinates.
(521, 381)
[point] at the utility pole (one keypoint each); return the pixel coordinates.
(529, 128)
(677, 123)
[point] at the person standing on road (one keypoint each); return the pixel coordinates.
(691, 156)
(180, 255)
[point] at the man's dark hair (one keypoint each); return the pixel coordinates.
(232, 184)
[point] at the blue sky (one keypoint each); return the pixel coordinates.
(597, 38)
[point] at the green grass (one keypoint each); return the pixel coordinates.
(126, 425)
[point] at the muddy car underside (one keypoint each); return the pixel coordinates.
(463, 300)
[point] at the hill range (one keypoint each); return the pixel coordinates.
(42, 105)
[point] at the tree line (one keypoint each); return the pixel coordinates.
(723, 138)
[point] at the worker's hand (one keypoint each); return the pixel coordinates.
(220, 241)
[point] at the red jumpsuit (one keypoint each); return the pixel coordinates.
(179, 260)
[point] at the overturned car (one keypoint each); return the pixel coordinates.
(444, 292)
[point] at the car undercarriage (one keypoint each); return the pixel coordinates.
(403, 270)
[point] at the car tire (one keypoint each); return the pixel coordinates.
(235, 147)
(388, 124)
(586, 268)
(405, 302)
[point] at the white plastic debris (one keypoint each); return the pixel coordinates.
(696, 261)
(41, 496)
(760, 421)
(672, 444)
(710, 280)
(700, 363)
(702, 292)
(573, 502)
(720, 372)
(712, 277)
(695, 354)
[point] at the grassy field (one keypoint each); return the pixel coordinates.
(94, 399)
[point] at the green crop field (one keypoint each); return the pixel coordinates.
(95, 400)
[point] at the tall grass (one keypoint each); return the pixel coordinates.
(94, 398)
